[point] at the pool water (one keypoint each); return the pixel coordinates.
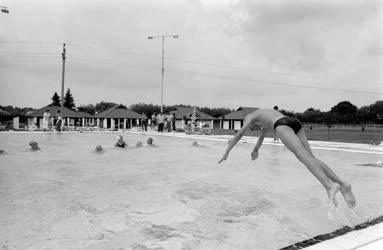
(173, 196)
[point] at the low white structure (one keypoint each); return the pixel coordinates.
(184, 115)
(235, 119)
(118, 117)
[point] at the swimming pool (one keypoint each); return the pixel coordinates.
(173, 196)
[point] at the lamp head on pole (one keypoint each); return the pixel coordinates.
(4, 10)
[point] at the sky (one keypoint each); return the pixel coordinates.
(295, 54)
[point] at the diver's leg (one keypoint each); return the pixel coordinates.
(345, 187)
(294, 144)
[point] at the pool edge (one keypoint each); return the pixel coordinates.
(356, 237)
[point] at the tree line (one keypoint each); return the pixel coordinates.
(343, 113)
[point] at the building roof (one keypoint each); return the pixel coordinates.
(239, 114)
(4, 113)
(85, 114)
(119, 111)
(188, 111)
(53, 111)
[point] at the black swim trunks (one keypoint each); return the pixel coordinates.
(290, 122)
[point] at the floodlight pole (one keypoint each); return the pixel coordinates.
(162, 68)
(4, 9)
(63, 55)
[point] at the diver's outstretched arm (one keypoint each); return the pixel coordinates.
(254, 153)
(234, 141)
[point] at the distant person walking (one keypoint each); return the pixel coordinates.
(293, 137)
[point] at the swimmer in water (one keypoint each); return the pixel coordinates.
(34, 146)
(120, 142)
(139, 144)
(149, 141)
(196, 144)
(290, 132)
(99, 149)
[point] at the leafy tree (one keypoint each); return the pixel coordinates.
(311, 115)
(345, 112)
(69, 100)
(56, 100)
(344, 107)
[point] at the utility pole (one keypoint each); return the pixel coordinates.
(162, 68)
(63, 54)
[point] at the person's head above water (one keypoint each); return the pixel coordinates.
(98, 149)
(120, 141)
(150, 141)
(34, 145)
(139, 144)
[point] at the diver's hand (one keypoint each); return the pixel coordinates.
(224, 157)
(254, 155)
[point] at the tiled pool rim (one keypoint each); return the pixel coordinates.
(324, 237)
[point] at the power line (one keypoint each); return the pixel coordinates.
(147, 67)
(106, 61)
(121, 52)
(29, 42)
(270, 82)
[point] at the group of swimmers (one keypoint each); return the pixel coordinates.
(34, 146)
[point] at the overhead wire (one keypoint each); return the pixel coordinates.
(111, 61)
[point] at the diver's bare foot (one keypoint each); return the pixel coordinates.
(348, 195)
(332, 193)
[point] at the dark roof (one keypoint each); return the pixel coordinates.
(53, 111)
(239, 114)
(85, 114)
(119, 111)
(188, 111)
(4, 113)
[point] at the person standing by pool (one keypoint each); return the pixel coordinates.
(144, 122)
(174, 121)
(59, 122)
(160, 121)
(154, 121)
(169, 122)
(46, 117)
(293, 137)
